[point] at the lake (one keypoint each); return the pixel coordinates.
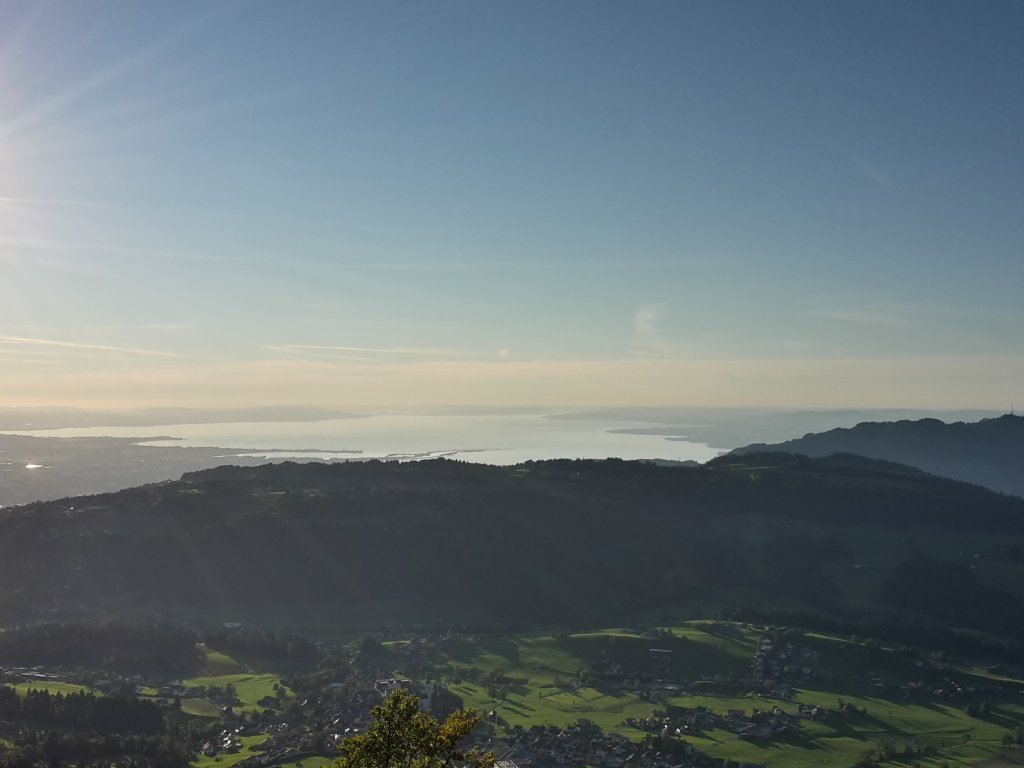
(485, 438)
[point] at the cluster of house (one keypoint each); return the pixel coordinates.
(31, 674)
(228, 741)
(758, 723)
(43, 676)
(584, 743)
(777, 664)
(285, 743)
(933, 684)
(323, 724)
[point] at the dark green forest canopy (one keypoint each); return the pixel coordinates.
(544, 543)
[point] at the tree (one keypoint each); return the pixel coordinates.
(402, 736)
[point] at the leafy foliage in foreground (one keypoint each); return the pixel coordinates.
(402, 736)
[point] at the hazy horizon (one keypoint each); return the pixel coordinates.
(580, 205)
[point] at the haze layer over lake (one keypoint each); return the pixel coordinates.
(488, 437)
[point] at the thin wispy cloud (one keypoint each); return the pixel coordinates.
(159, 327)
(863, 316)
(290, 353)
(477, 266)
(21, 361)
(647, 333)
(871, 171)
(802, 382)
(94, 81)
(58, 344)
(155, 177)
(421, 351)
(38, 201)
(339, 263)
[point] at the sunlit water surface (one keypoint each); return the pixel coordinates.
(491, 438)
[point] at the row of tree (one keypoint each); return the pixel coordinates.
(115, 646)
(82, 711)
(53, 749)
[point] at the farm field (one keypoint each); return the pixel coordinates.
(249, 687)
(223, 670)
(549, 680)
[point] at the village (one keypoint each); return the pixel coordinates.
(310, 716)
(321, 723)
(781, 663)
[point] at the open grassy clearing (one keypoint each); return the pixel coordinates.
(199, 707)
(843, 737)
(696, 650)
(542, 672)
(250, 688)
(222, 670)
(216, 664)
(550, 706)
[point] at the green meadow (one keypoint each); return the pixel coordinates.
(544, 679)
(249, 687)
(53, 688)
(217, 664)
(223, 670)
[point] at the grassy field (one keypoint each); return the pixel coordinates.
(200, 707)
(249, 687)
(216, 664)
(220, 670)
(539, 670)
(541, 684)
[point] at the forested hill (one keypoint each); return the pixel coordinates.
(558, 543)
(988, 452)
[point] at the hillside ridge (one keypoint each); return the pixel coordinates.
(989, 452)
(539, 544)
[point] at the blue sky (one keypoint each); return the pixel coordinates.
(577, 203)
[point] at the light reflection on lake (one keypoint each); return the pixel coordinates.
(490, 438)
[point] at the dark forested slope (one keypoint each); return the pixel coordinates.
(556, 543)
(988, 452)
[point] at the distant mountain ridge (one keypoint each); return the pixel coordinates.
(989, 452)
